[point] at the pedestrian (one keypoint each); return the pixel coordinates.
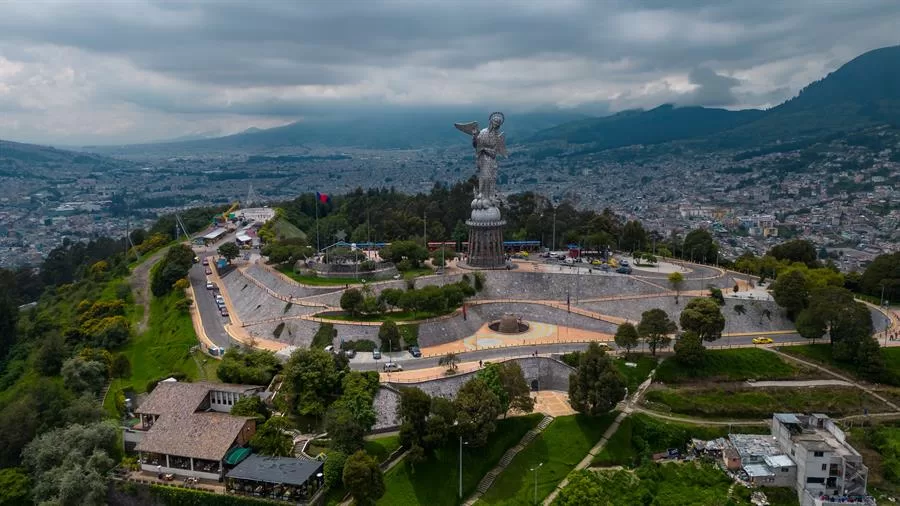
(480, 364)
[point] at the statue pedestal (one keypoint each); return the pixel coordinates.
(486, 239)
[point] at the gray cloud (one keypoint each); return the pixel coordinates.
(226, 65)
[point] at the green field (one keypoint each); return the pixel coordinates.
(731, 365)
(671, 484)
(162, 350)
(880, 448)
(435, 481)
(781, 496)
(640, 436)
(822, 353)
(745, 402)
(634, 376)
(559, 448)
(288, 271)
(380, 448)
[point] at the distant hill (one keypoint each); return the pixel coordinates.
(662, 124)
(16, 155)
(862, 93)
(387, 130)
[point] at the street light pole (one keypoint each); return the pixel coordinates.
(460, 467)
(553, 247)
(535, 470)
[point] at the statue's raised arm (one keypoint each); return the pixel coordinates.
(470, 128)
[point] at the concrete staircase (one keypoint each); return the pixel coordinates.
(485, 484)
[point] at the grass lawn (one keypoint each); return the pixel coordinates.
(672, 484)
(288, 271)
(634, 376)
(781, 496)
(381, 448)
(731, 365)
(165, 348)
(641, 436)
(560, 447)
(822, 353)
(435, 481)
(880, 449)
(739, 401)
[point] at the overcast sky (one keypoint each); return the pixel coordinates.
(96, 72)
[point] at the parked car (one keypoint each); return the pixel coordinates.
(392, 367)
(350, 353)
(196, 259)
(762, 340)
(415, 351)
(210, 285)
(624, 270)
(329, 348)
(205, 261)
(208, 271)
(376, 354)
(604, 267)
(223, 311)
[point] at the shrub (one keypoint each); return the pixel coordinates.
(359, 345)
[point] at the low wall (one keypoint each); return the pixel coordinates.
(541, 373)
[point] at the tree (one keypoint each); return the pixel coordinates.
(626, 337)
(121, 366)
(884, 271)
(439, 425)
(675, 280)
(868, 357)
(477, 409)
(352, 416)
(596, 385)
(171, 268)
(9, 315)
(345, 431)
(810, 324)
(252, 406)
(334, 468)
(84, 376)
(248, 366)
(391, 296)
(313, 381)
(703, 317)
(699, 245)
(798, 250)
(229, 250)
(849, 326)
(73, 473)
(415, 406)
(363, 478)
(441, 256)
(516, 388)
(633, 236)
(689, 350)
(655, 327)
(14, 487)
(491, 376)
(272, 438)
(450, 360)
(389, 335)
(50, 355)
(716, 295)
(790, 292)
(352, 301)
(411, 251)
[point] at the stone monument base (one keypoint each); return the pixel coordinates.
(486, 245)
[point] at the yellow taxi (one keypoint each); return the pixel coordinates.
(762, 340)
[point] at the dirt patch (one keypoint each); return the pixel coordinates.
(140, 284)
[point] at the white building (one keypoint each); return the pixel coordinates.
(260, 214)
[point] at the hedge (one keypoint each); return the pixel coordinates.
(175, 496)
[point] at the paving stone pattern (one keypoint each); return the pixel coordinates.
(555, 286)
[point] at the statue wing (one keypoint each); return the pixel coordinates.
(501, 144)
(470, 128)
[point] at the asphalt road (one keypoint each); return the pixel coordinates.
(213, 321)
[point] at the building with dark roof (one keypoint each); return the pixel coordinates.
(186, 429)
(276, 477)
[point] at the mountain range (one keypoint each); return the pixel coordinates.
(861, 93)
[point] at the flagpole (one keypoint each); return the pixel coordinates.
(317, 224)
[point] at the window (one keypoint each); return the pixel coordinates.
(815, 480)
(818, 454)
(784, 469)
(824, 467)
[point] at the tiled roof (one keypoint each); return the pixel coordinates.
(199, 435)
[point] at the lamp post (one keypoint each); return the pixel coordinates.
(535, 470)
(461, 443)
